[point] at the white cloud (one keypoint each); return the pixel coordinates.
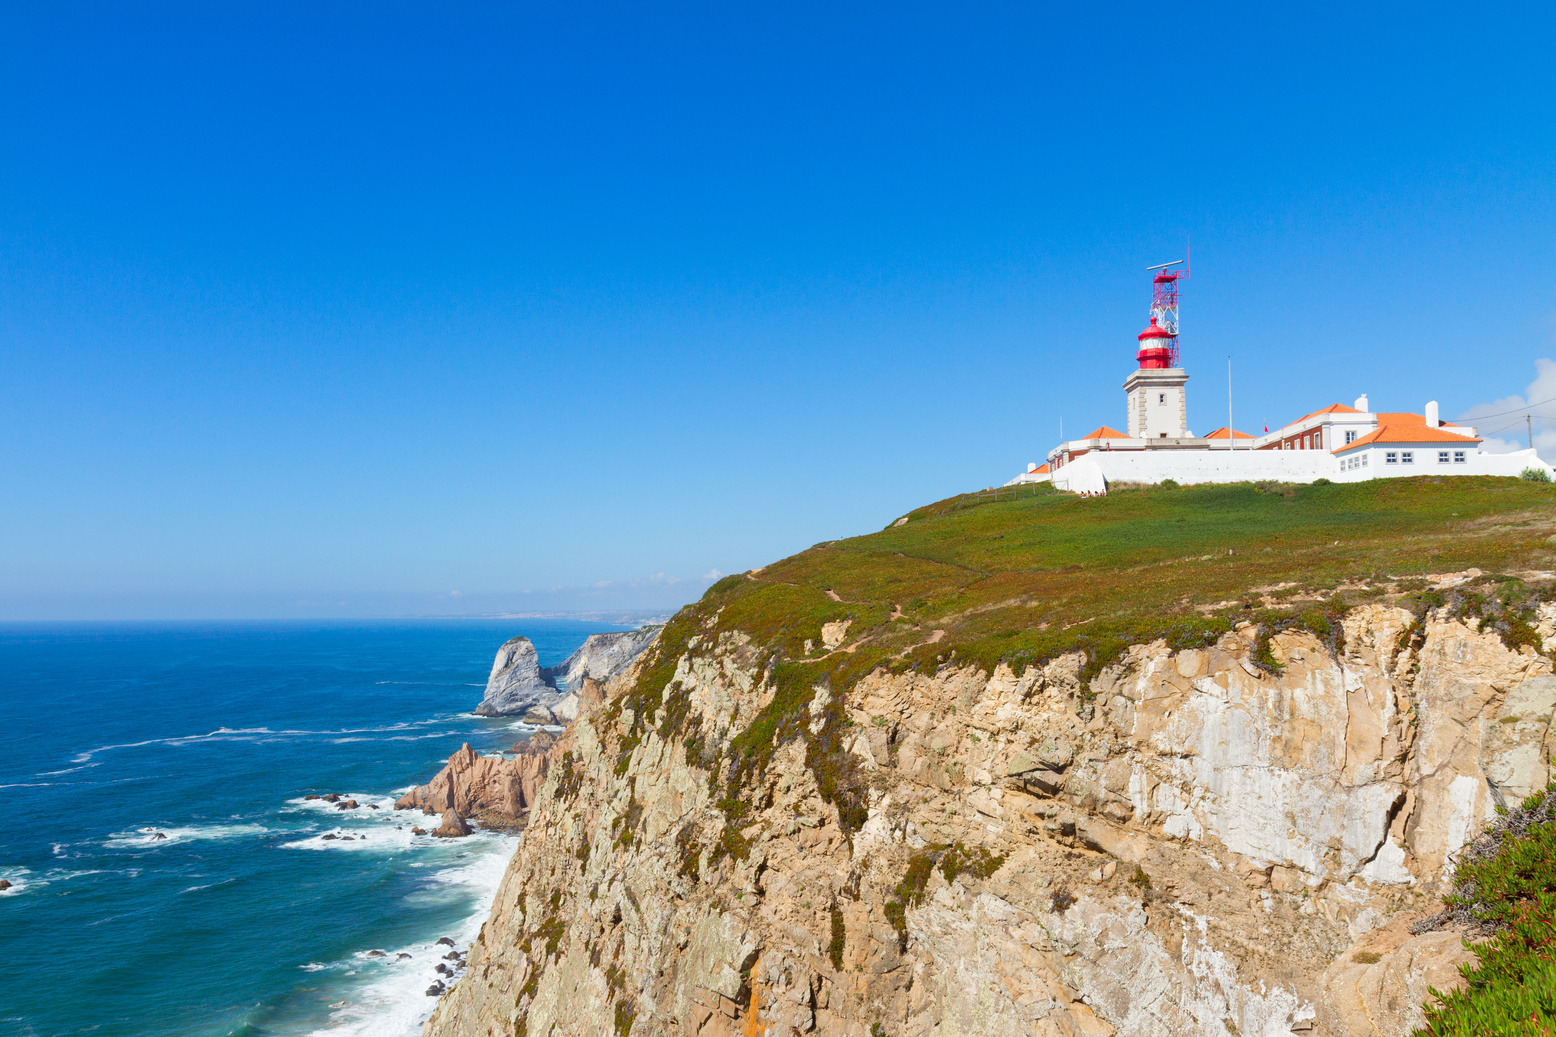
(1501, 422)
(712, 576)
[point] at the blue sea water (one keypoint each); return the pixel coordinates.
(242, 919)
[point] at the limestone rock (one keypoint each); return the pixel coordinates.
(1378, 986)
(1259, 840)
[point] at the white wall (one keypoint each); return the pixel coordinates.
(1093, 472)
(1194, 466)
(1504, 464)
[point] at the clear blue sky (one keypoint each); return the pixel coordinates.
(339, 309)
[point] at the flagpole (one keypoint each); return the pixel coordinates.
(1231, 437)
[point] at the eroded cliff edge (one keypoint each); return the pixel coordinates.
(1230, 838)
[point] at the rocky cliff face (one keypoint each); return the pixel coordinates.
(1230, 840)
(601, 657)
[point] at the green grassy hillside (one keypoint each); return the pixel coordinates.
(1024, 580)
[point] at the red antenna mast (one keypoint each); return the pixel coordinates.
(1159, 341)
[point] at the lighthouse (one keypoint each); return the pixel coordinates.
(1158, 407)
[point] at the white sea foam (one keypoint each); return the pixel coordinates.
(21, 879)
(180, 834)
(67, 770)
(261, 734)
(384, 829)
(25, 880)
(385, 804)
(388, 995)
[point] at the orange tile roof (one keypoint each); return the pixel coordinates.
(1406, 418)
(1041, 470)
(1333, 408)
(1220, 433)
(1103, 432)
(1407, 434)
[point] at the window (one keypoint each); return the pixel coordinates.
(1364, 460)
(1391, 458)
(1350, 436)
(1161, 397)
(1407, 457)
(1442, 457)
(1458, 457)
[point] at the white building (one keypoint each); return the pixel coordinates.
(1340, 443)
(1399, 450)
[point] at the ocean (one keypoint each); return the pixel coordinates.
(168, 876)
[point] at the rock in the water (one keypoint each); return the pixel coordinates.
(376, 954)
(312, 795)
(5, 883)
(401, 956)
(516, 683)
(444, 941)
(418, 831)
(453, 827)
(158, 835)
(474, 785)
(372, 806)
(329, 835)
(603, 656)
(333, 797)
(436, 990)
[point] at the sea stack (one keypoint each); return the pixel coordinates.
(516, 683)
(520, 687)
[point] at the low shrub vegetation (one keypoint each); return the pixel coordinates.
(1505, 887)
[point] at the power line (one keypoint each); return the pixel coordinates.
(1520, 410)
(1492, 432)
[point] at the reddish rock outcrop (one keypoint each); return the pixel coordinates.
(494, 789)
(453, 827)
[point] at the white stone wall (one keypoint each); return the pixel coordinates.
(1085, 474)
(1093, 472)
